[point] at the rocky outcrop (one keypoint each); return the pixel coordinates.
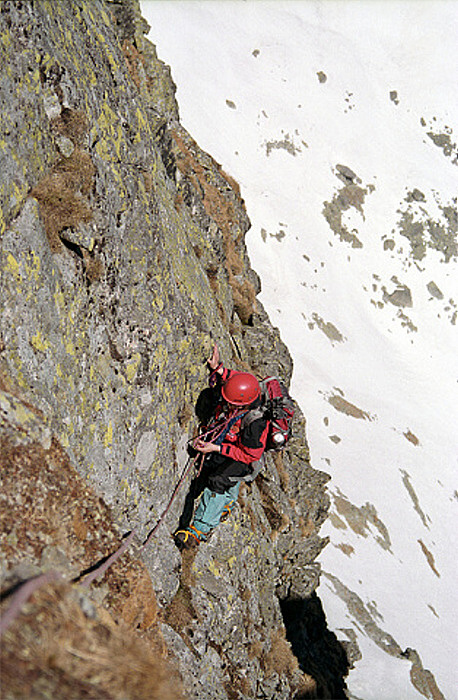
(122, 262)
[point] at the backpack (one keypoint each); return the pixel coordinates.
(278, 407)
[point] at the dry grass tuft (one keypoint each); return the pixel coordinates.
(185, 415)
(235, 683)
(62, 194)
(280, 658)
(281, 470)
(212, 275)
(178, 201)
(244, 300)
(180, 612)
(306, 688)
(254, 649)
(277, 520)
(58, 509)
(237, 686)
(148, 180)
(55, 650)
(72, 124)
(133, 60)
(93, 265)
(249, 512)
(233, 184)
(307, 528)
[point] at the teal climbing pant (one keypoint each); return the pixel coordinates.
(211, 505)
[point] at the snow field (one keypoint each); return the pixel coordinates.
(250, 93)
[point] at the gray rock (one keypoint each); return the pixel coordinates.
(347, 173)
(202, 675)
(388, 244)
(163, 562)
(434, 290)
(82, 236)
(401, 296)
(65, 146)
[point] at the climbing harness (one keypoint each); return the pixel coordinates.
(217, 432)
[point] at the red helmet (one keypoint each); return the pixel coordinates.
(241, 389)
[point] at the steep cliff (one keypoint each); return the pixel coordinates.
(122, 261)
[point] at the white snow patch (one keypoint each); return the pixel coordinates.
(264, 58)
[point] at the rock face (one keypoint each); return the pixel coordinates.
(122, 261)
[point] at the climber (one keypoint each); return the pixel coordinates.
(228, 448)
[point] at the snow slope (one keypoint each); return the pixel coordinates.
(340, 121)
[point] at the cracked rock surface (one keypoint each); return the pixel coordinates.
(122, 261)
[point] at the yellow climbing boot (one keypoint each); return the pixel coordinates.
(188, 538)
(227, 511)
